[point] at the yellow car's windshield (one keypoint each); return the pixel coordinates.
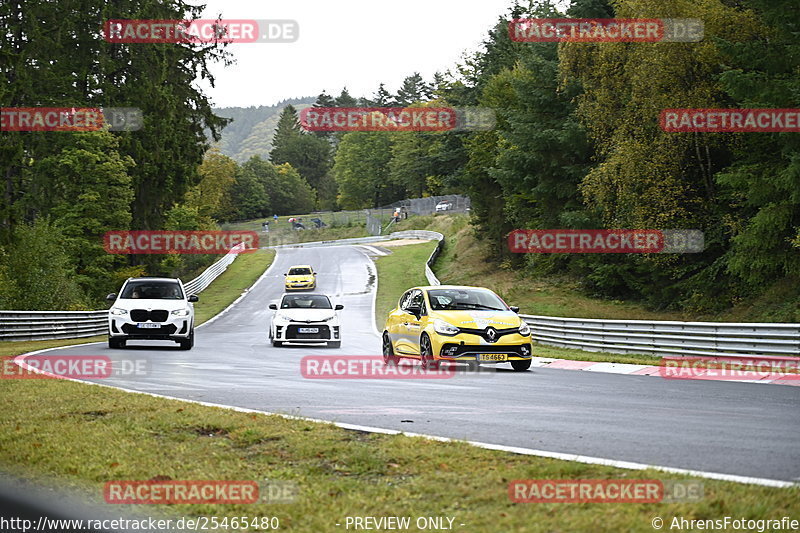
(461, 299)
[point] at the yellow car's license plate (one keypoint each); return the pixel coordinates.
(493, 357)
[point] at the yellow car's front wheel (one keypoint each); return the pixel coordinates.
(426, 353)
(389, 357)
(521, 366)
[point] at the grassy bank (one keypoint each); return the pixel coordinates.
(463, 262)
(240, 275)
(84, 436)
(403, 269)
(342, 225)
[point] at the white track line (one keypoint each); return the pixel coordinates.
(20, 360)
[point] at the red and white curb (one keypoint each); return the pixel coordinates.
(649, 370)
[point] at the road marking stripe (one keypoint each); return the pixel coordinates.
(20, 360)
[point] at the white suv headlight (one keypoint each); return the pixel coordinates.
(181, 312)
(445, 328)
(118, 311)
(524, 329)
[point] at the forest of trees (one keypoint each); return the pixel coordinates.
(577, 145)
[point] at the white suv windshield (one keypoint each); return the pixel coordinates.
(152, 290)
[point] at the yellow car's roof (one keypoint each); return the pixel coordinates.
(432, 287)
(301, 266)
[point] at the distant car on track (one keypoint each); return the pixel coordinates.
(457, 324)
(300, 277)
(305, 318)
(444, 206)
(151, 309)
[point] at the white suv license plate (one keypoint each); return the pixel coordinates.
(148, 325)
(308, 330)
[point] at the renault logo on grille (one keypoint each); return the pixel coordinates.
(491, 334)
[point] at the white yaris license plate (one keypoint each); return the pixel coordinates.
(308, 330)
(148, 325)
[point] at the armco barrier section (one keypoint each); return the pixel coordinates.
(668, 338)
(41, 325)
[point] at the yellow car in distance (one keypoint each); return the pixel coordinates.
(459, 324)
(300, 278)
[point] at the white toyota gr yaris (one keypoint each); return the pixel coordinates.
(305, 318)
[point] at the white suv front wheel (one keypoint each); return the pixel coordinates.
(187, 343)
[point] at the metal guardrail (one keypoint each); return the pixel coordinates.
(429, 235)
(670, 338)
(202, 281)
(41, 325)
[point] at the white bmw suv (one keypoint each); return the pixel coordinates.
(151, 308)
(305, 318)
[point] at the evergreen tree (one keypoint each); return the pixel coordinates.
(412, 90)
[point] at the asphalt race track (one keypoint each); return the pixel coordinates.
(724, 427)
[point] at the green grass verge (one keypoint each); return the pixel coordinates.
(342, 225)
(83, 436)
(240, 275)
(395, 275)
(402, 269)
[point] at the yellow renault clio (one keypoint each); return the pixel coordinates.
(456, 323)
(300, 278)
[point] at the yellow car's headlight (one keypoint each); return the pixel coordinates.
(524, 329)
(444, 328)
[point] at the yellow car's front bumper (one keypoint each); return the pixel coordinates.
(468, 347)
(300, 285)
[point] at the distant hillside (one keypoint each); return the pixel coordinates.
(252, 128)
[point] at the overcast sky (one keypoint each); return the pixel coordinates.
(353, 43)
